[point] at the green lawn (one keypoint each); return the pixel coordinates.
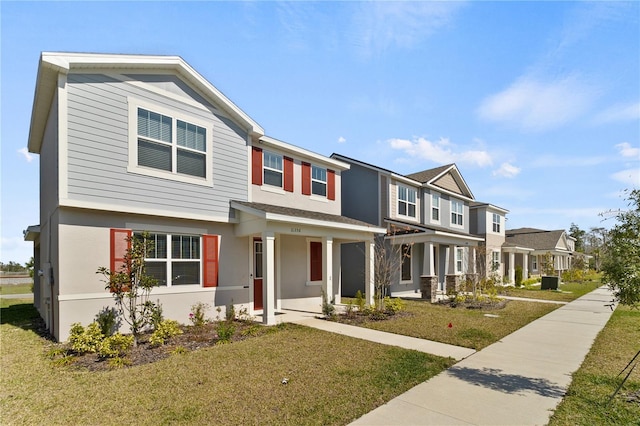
(469, 327)
(16, 288)
(333, 379)
(592, 385)
(566, 291)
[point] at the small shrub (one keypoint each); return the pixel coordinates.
(243, 315)
(115, 346)
(164, 331)
(328, 309)
(60, 357)
(225, 330)
(349, 313)
(230, 312)
(156, 314)
(393, 306)
(197, 315)
(530, 281)
(85, 340)
(107, 319)
(360, 302)
(252, 330)
(179, 350)
(118, 362)
(518, 277)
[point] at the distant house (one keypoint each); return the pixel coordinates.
(528, 247)
(434, 226)
(133, 143)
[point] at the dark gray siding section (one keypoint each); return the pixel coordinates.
(360, 194)
(98, 150)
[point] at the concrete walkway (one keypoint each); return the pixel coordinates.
(518, 380)
(17, 296)
(524, 299)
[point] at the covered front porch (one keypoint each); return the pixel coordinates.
(295, 256)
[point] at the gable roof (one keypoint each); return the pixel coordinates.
(427, 175)
(54, 63)
(537, 239)
(447, 178)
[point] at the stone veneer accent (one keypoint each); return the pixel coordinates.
(429, 287)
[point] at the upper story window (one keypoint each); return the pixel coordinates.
(272, 166)
(318, 181)
(496, 223)
(435, 207)
(457, 212)
(406, 201)
(167, 144)
(158, 148)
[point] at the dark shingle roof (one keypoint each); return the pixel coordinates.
(426, 175)
(538, 239)
(306, 214)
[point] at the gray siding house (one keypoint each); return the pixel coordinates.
(133, 143)
(434, 226)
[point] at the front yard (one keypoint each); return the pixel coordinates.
(332, 379)
(566, 292)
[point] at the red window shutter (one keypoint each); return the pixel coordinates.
(288, 174)
(306, 178)
(315, 261)
(120, 242)
(331, 184)
(210, 260)
(256, 165)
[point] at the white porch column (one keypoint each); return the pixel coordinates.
(512, 268)
(525, 266)
(369, 270)
(269, 278)
(327, 263)
(428, 262)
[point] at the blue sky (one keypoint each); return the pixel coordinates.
(538, 103)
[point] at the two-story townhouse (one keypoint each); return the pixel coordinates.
(135, 143)
(427, 216)
(488, 221)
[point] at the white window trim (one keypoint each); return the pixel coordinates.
(431, 219)
(459, 268)
(133, 166)
(308, 265)
(534, 263)
(325, 181)
(407, 202)
(169, 259)
(451, 212)
(265, 167)
(493, 223)
(495, 265)
(401, 254)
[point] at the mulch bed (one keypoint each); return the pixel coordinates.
(192, 339)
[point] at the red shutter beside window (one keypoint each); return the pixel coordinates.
(315, 261)
(306, 178)
(120, 242)
(331, 184)
(256, 165)
(288, 174)
(210, 260)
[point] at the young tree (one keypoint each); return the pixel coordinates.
(595, 242)
(389, 260)
(131, 286)
(621, 263)
(579, 235)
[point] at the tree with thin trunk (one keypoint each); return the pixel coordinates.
(131, 286)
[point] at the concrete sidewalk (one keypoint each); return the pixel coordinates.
(518, 380)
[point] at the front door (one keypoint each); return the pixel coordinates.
(257, 274)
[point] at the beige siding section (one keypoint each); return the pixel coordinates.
(449, 183)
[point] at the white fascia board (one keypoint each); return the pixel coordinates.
(490, 206)
(445, 191)
(459, 175)
(32, 233)
(324, 223)
(517, 249)
(301, 152)
(406, 180)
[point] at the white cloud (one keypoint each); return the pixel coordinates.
(26, 154)
(506, 170)
(341, 139)
(629, 177)
(442, 151)
(626, 150)
(380, 25)
(619, 112)
(538, 105)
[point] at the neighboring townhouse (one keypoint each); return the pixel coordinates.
(432, 222)
(488, 222)
(134, 143)
(528, 247)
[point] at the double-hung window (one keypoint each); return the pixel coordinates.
(272, 166)
(174, 259)
(169, 145)
(495, 261)
(406, 201)
(459, 258)
(457, 210)
(435, 207)
(496, 223)
(318, 181)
